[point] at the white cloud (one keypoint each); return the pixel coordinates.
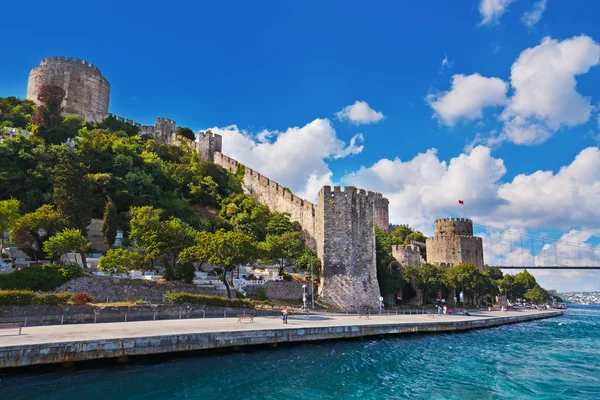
(425, 188)
(530, 18)
(545, 96)
(491, 10)
(359, 113)
(467, 98)
(544, 99)
(295, 157)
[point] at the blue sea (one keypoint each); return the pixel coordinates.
(557, 358)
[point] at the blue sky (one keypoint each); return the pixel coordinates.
(254, 71)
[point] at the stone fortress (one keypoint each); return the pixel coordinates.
(453, 243)
(340, 227)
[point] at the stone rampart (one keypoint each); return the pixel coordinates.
(114, 289)
(279, 290)
(207, 144)
(409, 255)
(274, 195)
(346, 246)
(381, 215)
(87, 91)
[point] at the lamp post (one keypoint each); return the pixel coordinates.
(312, 282)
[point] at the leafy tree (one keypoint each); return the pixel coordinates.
(26, 230)
(389, 273)
(111, 123)
(506, 284)
(280, 223)
(68, 241)
(492, 272)
(523, 282)
(288, 245)
(9, 214)
(109, 223)
(223, 249)
(163, 240)
(246, 215)
(536, 294)
(465, 277)
(71, 190)
(15, 112)
(120, 261)
(309, 262)
(186, 133)
(401, 233)
(428, 278)
(48, 113)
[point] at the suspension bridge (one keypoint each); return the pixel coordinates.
(506, 249)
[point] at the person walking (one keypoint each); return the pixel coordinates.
(285, 315)
(445, 309)
(439, 310)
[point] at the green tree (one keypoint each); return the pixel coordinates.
(68, 241)
(120, 261)
(9, 214)
(536, 295)
(71, 190)
(109, 223)
(492, 272)
(389, 273)
(223, 249)
(288, 245)
(465, 277)
(506, 284)
(280, 223)
(162, 240)
(26, 230)
(186, 133)
(523, 282)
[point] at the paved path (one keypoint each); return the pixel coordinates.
(40, 335)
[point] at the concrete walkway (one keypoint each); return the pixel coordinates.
(49, 344)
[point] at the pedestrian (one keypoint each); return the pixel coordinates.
(445, 310)
(439, 310)
(285, 315)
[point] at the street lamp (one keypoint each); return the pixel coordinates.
(312, 282)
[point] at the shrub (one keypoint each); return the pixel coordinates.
(17, 297)
(287, 277)
(40, 278)
(81, 299)
(180, 298)
(239, 295)
(54, 298)
(261, 294)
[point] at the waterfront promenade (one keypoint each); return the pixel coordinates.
(67, 343)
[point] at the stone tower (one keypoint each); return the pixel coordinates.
(87, 91)
(207, 144)
(454, 243)
(381, 215)
(344, 231)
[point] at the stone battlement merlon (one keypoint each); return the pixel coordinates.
(351, 190)
(208, 134)
(127, 121)
(453, 219)
(69, 59)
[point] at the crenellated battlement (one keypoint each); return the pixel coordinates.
(350, 191)
(454, 243)
(69, 59)
(126, 120)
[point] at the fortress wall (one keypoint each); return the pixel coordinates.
(273, 195)
(87, 91)
(452, 250)
(409, 255)
(346, 246)
(207, 144)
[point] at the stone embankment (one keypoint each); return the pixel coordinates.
(114, 289)
(69, 343)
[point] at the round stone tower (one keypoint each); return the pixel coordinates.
(87, 91)
(453, 226)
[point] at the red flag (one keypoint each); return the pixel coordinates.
(461, 202)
